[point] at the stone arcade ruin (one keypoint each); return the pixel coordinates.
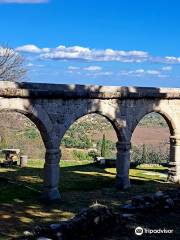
(54, 107)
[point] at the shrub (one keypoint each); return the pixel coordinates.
(93, 154)
(148, 154)
(79, 155)
(109, 147)
(73, 141)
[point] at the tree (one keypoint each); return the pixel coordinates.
(144, 158)
(103, 147)
(11, 65)
(4, 139)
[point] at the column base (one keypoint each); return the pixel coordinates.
(122, 183)
(172, 172)
(173, 179)
(51, 195)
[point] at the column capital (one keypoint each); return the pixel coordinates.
(124, 145)
(175, 140)
(53, 150)
(52, 155)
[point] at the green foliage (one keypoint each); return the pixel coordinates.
(144, 157)
(136, 153)
(31, 133)
(103, 147)
(149, 155)
(80, 155)
(93, 154)
(73, 141)
(109, 147)
(153, 120)
(4, 142)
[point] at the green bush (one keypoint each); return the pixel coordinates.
(73, 140)
(79, 155)
(109, 147)
(31, 133)
(93, 154)
(148, 154)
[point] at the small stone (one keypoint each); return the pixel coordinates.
(27, 233)
(55, 226)
(128, 207)
(137, 200)
(44, 238)
(96, 220)
(59, 235)
(159, 194)
(170, 202)
(128, 216)
(149, 199)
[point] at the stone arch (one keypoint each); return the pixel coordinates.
(39, 118)
(107, 116)
(166, 116)
(168, 119)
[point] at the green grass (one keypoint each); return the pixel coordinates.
(82, 183)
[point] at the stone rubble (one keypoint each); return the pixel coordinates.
(99, 220)
(88, 224)
(159, 200)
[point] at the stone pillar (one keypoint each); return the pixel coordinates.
(123, 164)
(51, 174)
(174, 159)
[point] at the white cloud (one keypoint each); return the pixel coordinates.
(140, 72)
(172, 59)
(87, 54)
(24, 1)
(152, 72)
(30, 48)
(73, 68)
(95, 55)
(162, 75)
(96, 74)
(167, 68)
(93, 68)
(34, 65)
(30, 65)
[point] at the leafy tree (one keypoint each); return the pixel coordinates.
(144, 154)
(4, 142)
(79, 155)
(93, 154)
(103, 147)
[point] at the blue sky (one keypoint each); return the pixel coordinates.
(117, 42)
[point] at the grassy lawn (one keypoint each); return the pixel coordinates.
(82, 183)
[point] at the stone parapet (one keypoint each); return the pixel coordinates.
(44, 90)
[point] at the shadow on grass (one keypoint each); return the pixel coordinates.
(81, 185)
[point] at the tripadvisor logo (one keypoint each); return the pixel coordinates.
(139, 231)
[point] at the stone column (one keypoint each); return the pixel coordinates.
(174, 159)
(123, 164)
(51, 174)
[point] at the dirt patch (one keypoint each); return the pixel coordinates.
(141, 135)
(152, 135)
